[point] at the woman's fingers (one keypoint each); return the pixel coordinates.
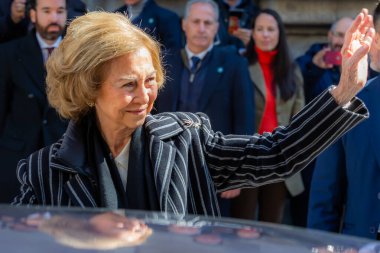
(351, 32)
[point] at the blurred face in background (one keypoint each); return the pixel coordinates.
(337, 32)
(200, 27)
(265, 33)
(49, 18)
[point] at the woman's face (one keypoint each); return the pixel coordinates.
(266, 33)
(127, 93)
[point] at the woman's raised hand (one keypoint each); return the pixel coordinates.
(357, 43)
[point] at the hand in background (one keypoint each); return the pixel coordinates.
(18, 10)
(243, 34)
(319, 61)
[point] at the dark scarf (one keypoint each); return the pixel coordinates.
(141, 191)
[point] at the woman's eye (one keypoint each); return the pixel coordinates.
(128, 85)
(151, 80)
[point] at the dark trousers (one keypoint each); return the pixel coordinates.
(266, 203)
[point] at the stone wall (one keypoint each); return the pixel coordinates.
(307, 21)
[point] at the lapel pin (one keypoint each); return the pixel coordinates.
(190, 123)
(220, 70)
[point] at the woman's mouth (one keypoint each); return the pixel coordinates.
(137, 112)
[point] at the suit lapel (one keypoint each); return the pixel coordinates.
(29, 55)
(370, 97)
(167, 102)
(215, 69)
(170, 173)
(71, 159)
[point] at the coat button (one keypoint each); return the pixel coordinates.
(30, 95)
(44, 122)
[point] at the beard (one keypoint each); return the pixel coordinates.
(49, 35)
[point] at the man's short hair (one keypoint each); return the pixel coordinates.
(210, 2)
(33, 3)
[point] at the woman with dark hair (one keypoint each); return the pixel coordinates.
(278, 96)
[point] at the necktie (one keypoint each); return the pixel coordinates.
(195, 60)
(50, 50)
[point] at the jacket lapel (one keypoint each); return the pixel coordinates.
(215, 69)
(256, 73)
(168, 96)
(80, 190)
(170, 171)
(70, 158)
(370, 97)
(29, 55)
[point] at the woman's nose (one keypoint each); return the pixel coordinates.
(142, 94)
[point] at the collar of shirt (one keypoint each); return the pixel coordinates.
(44, 45)
(200, 55)
(122, 158)
(121, 162)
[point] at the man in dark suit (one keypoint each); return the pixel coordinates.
(345, 189)
(163, 24)
(14, 22)
(27, 122)
(204, 78)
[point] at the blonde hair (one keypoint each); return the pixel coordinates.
(76, 68)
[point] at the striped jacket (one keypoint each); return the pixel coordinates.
(192, 163)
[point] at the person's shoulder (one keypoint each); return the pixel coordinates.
(26, 39)
(9, 47)
(161, 9)
(371, 86)
(77, 5)
(46, 153)
(13, 43)
(122, 9)
(315, 48)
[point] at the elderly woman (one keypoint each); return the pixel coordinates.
(104, 77)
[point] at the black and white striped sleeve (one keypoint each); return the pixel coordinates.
(250, 161)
